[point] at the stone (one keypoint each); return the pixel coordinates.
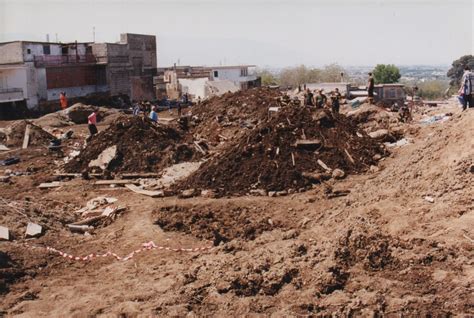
(258, 192)
(429, 199)
(33, 230)
(281, 193)
(377, 157)
(4, 234)
(379, 134)
(374, 169)
(208, 193)
(189, 193)
(272, 194)
(338, 174)
(104, 158)
(304, 221)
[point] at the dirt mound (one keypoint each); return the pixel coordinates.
(274, 156)
(78, 113)
(226, 115)
(15, 134)
(141, 146)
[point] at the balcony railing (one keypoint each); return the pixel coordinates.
(58, 60)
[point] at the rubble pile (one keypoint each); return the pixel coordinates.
(133, 144)
(292, 150)
(15, 133)
(226, 115)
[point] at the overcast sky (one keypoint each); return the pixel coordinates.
(271, 33)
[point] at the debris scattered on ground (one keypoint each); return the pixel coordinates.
(15, 135)
(4, 233)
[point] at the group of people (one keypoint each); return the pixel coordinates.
(320, 99)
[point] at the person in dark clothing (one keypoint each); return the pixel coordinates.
(320, 99)
(467, 88)
(308, 98)
(335, 100)
(370, 88)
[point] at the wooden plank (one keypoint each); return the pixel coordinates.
(139, 175)
(48, 185)
(308, 143)
(199, 148)
(153, 194)
(109, 182)
(26, 140)
(67, 175)
(324, 166)
(293, 159)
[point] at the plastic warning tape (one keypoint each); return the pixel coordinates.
(145, 247)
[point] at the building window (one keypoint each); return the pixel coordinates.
(64, 50)
(28, 51)
(243, 72)
(216, 74)
(46, 49)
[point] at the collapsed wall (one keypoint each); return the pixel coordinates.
(287, 152)
(141, 146)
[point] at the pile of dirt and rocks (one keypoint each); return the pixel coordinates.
(224, 117)
(133, 144)
(292, 150)
(14, 135)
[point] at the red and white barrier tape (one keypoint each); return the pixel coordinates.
(146, 247)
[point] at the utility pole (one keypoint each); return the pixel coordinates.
(93, 34)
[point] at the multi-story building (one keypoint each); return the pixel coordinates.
(34, 73)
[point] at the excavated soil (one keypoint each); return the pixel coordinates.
(141, 147)
(228, 116)
(15, 134)
(267, 157)
(399, 244)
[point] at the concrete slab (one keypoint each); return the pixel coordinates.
(33, 230)
(4, 234)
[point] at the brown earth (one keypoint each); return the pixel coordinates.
(141, 147)
(382, 250)
(263, 157)
(15, 133)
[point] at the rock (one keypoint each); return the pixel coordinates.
(189, 193)
(208, 193)
(281, 193)
(338, 174)
(318, 177)
(377, 157)
(429, 199)
(471, 169)
(305, 221)
(4, 178)
(272, 193)
(379, 134)
(270, 221)
(374, 169)
(4, 234)
(33, 230)
(258, 192)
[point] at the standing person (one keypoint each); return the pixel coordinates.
(179, 110)
(154, 114)
(92, 122)
(320, 99)
(467, 90)
(63, 100)
(370, 88)
(308, 98)
(335, 101)
(136, 109)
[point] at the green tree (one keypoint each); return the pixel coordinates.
(268, 77)
(386, 74)
(456, 71)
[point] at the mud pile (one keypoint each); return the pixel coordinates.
(273, 156)
(141, 146)
(15, 134)
(226, 115)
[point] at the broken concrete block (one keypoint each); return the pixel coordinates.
(104, 158)
(4, 234)
(374, 169)
(33, 230)
(338, 174)
(258, 192)
(281, 193)
(208, 193)
(377, 157)
(4, 178)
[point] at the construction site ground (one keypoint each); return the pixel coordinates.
(400, 242)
